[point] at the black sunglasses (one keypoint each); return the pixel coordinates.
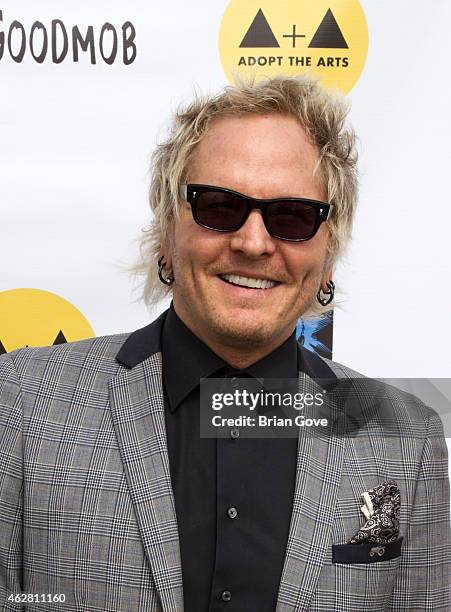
(224, 210)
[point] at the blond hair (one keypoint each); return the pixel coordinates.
(322, 115)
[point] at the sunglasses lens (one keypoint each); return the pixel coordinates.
(291, 220)
(219, 210)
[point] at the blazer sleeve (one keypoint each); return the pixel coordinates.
(423, 580)
(11, 483)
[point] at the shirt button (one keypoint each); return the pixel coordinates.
(232, 512)
(235, 381)
(226, 596)
(234, 433)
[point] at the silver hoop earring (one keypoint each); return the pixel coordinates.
(162, 264)
(326, 301)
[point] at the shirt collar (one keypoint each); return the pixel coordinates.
(146, 341)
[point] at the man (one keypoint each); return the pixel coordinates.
(109, 497)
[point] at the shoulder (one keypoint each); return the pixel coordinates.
(87, 363)
(104, 354)
(396, 399)
(342, 371)
(95, 354)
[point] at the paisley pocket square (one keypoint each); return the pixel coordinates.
(381, 509)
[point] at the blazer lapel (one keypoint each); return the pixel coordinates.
(137, 407)
(319, 466)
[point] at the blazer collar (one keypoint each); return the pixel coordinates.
(142, 343)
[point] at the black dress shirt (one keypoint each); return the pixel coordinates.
(233, 496)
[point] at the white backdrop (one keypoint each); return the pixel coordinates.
(75, 140)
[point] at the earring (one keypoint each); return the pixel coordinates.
(162, 264)
(330, 293)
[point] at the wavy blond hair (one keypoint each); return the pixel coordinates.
(322, 115)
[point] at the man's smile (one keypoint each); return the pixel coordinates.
(248, 281)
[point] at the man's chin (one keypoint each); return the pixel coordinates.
(244, 333)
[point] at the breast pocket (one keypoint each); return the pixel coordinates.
(366, 553)
(354, 580)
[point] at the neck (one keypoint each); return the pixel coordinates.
(237, 353)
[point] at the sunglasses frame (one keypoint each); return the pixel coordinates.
(190, 192)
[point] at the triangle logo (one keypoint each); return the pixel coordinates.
(60, 339)
(328, 35)
(2, 349)
(259, 34)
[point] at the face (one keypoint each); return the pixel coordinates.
(262, 157)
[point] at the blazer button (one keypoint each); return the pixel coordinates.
(226, 596)
(234, 433)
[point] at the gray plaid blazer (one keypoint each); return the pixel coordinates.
(87, 509)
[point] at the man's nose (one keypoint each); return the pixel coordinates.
(253, 238)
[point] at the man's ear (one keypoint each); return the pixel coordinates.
(327, 276)
(167, 258)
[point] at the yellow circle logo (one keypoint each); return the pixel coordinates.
(32, 317)
(264, 38)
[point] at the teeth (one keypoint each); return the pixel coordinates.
(244, 281)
